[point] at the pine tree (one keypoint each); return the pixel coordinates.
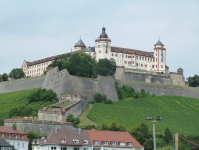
(168, 135)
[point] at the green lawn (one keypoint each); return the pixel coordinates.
(62, 105)
(180, 114)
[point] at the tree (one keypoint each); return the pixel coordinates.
(148, 145)
(30, 145)
(104, 126)
(193, 81)
(105, 67)
(17, 73)
(140, 132)
(113, 127)
(168, 135)
(4, 77)
(97, 97)
(71, 118)
(122, 128)
(45, 72)
(32, 135)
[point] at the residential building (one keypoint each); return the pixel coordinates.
(14, 137)
(77, 139)
(4, 145)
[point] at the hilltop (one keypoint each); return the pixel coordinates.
(180, 114)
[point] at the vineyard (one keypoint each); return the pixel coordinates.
(180, 114)
(9, 101)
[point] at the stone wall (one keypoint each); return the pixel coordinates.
(60, 114)
(162, 89)
(21, 84)
(42, 127)
(149, 77)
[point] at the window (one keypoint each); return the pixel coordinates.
(113, 143)
(156, 66)
(63, 148)
(112, 54)
(137, 57)
(153, 60)
(141, 65)
(133, 56)
(53, 148)
(99, 51)
(22, 145)
(142, 58)
(85, 141)
(96, 142)
(122, 143)
(145, 66)
(136, 64)
(116, 55)
(76, 148)
(89, 53)
(63, 141)
(130, 143)
(125, 62)
(9, 135)
(161, 66)
(75, 141)
(133, 62)
(98, 45)
(148, 59)
(2, 135)
(18, 145)
(22, 137)
(16, 136)
(13, 143)
(105, 142)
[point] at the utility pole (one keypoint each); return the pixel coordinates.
(154, 141)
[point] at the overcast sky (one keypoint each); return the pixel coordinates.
(33, 30)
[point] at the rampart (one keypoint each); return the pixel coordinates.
(149, 77)
(162, 89)
(41, 127)
(22, 84)
(60, 114)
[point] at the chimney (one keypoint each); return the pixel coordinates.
(39, 137)
(79, 130)
(14, 127)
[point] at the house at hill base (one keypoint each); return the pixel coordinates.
(77, 139)
(4, 145)
(14, 137)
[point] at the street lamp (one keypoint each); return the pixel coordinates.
(151, 118)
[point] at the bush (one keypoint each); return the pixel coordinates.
(109, 101)
(91, 102)
(99, 98)
(71, 118)
(14, 125)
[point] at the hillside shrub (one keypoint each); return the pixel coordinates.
(43, 95)
(99, 98)
(91, 102)
(71, 118)
(167, 135)
(109, 101)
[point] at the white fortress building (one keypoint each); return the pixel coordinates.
(128, 58)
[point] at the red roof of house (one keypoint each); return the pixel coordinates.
(9, 130)
(112, 136)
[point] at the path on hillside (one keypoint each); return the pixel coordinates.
(83, 119)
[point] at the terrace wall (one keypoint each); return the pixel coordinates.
(42, 127)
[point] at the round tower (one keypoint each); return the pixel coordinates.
(79, 45)
(103, 46)
(180, 71)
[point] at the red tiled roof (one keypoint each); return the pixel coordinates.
(9, 130)
(130, 51)
(112, 136)
(49, 58)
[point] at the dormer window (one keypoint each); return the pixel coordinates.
(63, 141)
(75, 141)
(16, 136)
(2, 135)
(22, 137)
(9, 135)
(121, 143)
(105, 142)
(130, 143)
(85, 141)
(113, 143)
(96, 142)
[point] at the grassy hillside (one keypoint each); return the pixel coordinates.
(11, 100)
(180, 114)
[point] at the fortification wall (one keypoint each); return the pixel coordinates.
(61, 114)
(162, 89)
(172, 78)
(42, 127)
(62, 82)
(22, 84)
